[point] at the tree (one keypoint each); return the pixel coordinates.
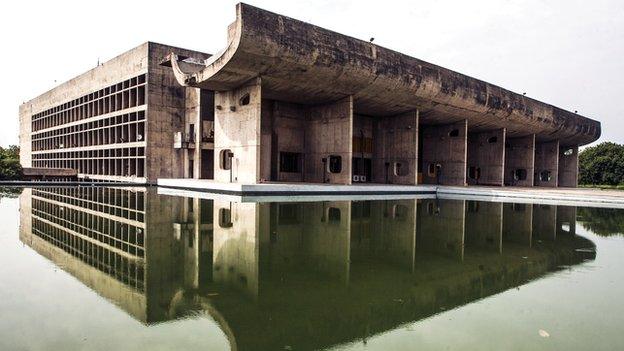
(10, 168)
(602, 164)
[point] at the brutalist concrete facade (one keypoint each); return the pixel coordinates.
(287, 101)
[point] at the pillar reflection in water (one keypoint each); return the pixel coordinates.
(311, 274)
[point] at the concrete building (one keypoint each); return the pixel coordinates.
(287, 101)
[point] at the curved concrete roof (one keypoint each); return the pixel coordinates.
(303, 63)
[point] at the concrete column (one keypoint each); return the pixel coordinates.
(484, 225)
(395, 155)
(547, 164)
(441, 228)
(192, 126)
(444, 153)
(566, 220)
(518, 223)
(520, 161)
(237, 129)
(486, 158)
(544, 222)
(568, 166)
(329, 135)
(236, 245)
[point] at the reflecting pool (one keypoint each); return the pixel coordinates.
(94, 268)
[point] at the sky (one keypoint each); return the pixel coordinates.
(568, 53)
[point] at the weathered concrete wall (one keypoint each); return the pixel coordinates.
(329, 132)
(236, 243)
(520, 154)
(441, 227)
(486, 153)
(518, 223)
(544, 222)
(387, 236)
(283, 130)
(568, 166)
(547, 160)
(395, 151)
(484, 226)
(237, 128)
(439, 148)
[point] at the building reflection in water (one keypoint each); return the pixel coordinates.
(309, 275)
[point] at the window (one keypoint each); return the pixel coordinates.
(335, 164)
(288, 214)
(431, 170)
(333, 214)
(244, 100)
(400, 169)
(568, 152)
(518, 207)
(225, 218)
(519, 174)
(454, 133)
(474, 172)
(225, 159)
(290, 162)
(492, 140)
(545, 176)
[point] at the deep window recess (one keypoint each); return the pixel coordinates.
(520, 174)
(400, 169)
(288, 214)
(290, 162)
(244, 100)
(474, 172)
(225, 159)
(545, 176)
(335, 164)
(492, 140)
(225, 218)
(454, 133)
(333, 214)
(431, 170)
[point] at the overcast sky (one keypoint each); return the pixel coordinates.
(567, 53)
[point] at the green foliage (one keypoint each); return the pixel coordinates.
(10, 168)
(602, 164)
(602, 221)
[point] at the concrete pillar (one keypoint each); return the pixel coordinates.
(237, 130)
(518, 223)
(484, 225)
(444, 153)
(520, 161)
(328, 139)
(441, 228)
(236, 245)
(395, 155)
(547, 164)
(568, 166)
(192, 127)
(486, 158)
(544, 222)
(566, 220)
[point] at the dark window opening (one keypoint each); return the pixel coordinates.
(520, 174)
(225, 218)
(431, 169)
(518, 207)
(400, 169)
(244, 100)
(225, 159)
(473, 206)
(545, 176)
(474, 172)
(492, 140)
(454, 133)
(290, 162)
(333, 214)
(335, 164)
